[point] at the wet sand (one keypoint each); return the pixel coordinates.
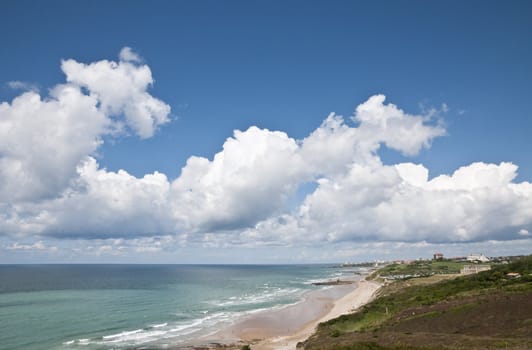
(283, 328)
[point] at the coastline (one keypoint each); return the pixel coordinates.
(283, 328)
(363, 293)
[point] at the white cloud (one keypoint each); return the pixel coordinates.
(413, 174)
(128, 55)
(399, 203)
(44, 139)
(475, 176)
(50, 185)
(108, 204)
(385, 123)
(247, 181)
(22, 85)
(121, 87)
(334, 146)
(37, 246)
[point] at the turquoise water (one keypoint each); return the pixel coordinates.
(134, 306)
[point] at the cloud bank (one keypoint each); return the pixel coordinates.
(51, 184)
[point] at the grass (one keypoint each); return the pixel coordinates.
(463, 308)
(414, 293)
(375, 346)
(421, 268)
(430, 314)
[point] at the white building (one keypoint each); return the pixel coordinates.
(477, 257)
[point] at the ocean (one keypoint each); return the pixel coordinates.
(96, 307)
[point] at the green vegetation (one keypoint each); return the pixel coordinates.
(421, 268)
(374, 346)
(408, 306)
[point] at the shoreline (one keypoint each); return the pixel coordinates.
(283, 328)
(358, 297)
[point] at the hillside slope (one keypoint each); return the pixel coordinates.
(489, 310)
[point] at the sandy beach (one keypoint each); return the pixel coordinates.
(282, 329)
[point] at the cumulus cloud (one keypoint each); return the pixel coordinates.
(108, 203)
(44, 138)
(385, 123)
(248, 181)
(332, 147)
(335, 146)
(399, 203)
(121, 88)
(51, 185)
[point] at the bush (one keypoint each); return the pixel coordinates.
(335, 333)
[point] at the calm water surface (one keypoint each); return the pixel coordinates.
(132, 306)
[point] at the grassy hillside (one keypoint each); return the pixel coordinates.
(422, 268)
(488, 310)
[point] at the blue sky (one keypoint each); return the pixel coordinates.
(279, 65)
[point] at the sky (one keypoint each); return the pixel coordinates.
(264, 131)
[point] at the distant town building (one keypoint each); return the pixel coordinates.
(477, 258)
(513, 275)
(438, 256)
(471, 269)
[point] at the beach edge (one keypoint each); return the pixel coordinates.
(364, 292)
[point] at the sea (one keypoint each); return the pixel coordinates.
(96, 307)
